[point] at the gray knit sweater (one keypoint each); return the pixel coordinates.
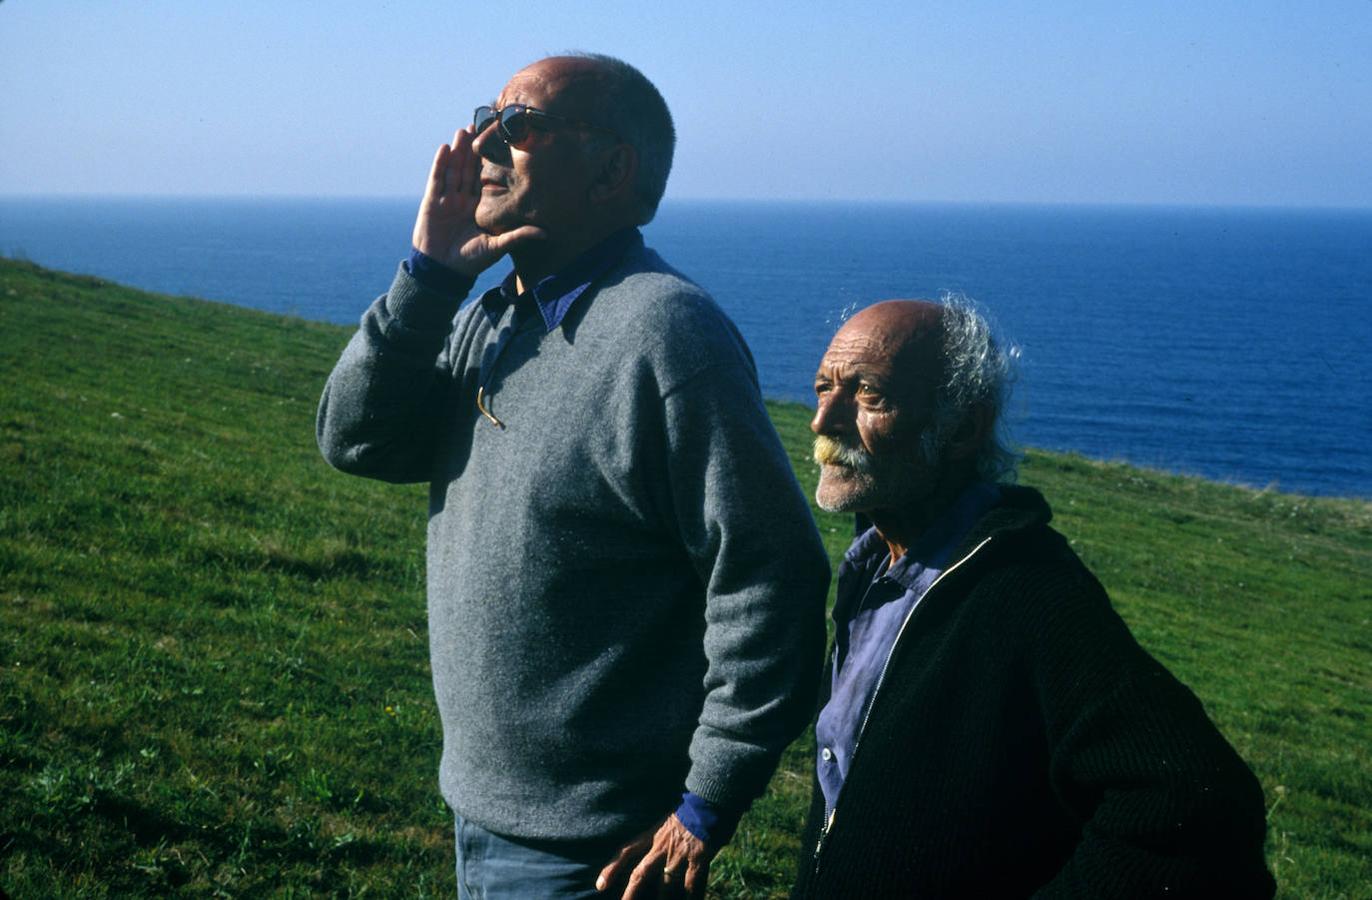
(625, 585)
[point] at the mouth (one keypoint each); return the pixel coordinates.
(492, 179)
(832, 454)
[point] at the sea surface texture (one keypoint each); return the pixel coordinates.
(1229, 343)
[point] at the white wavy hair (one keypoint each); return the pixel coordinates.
(978, 370)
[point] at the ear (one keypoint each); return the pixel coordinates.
(615, 174)
(972, 433)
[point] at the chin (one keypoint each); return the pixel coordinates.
(842, 503)
(842, 493)
(490, 218)
(830, 505)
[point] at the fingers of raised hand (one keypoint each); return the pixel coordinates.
(464, 165)
(437, 173)
(433, 192)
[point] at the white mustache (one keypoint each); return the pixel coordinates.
(829, 452)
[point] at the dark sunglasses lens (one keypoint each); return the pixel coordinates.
(482, 118)
(514, 123)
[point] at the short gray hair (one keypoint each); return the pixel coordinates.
(978, 371)
(631, 107)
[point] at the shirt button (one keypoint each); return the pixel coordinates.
(826, 754)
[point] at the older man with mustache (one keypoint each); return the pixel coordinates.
(989, 728)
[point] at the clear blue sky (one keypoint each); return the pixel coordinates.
(1162, 102)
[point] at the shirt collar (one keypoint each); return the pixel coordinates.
(932, 549)
(555, 294)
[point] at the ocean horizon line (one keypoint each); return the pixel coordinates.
(1221, 342)
(668, 201)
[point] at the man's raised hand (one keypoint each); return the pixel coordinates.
(445, 228)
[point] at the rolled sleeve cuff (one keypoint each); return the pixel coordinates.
(416, 307)
(707, 822)
(437, 277)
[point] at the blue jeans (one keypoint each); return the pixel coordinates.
(493, 867)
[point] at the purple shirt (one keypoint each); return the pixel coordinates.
(874, 600)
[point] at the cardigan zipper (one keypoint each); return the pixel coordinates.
(881, 679)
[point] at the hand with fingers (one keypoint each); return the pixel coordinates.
(666, 862)
(446, 228)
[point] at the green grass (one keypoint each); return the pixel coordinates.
(213, 663)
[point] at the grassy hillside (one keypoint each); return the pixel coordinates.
(213, 662)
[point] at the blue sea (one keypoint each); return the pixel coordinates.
(1228, 343)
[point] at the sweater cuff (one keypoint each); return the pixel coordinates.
(417, 307)
(707, 822)
(437, 277)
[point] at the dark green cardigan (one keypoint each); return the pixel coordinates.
(1023, 743)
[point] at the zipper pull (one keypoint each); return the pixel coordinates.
(823, 833)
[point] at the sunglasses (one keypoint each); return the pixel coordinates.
(516, 122)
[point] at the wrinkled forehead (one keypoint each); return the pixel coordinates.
(903, 344)
(861, 347)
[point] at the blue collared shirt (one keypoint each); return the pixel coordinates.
(554, 297)
(875, 598)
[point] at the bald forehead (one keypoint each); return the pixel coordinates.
(896, 346)
(570, 80)
(894, 327)
(567, 67)
(898, 316)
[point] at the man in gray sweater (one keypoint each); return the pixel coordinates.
(625, 586)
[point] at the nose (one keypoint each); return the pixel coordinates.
(833, 413)
(489, 145)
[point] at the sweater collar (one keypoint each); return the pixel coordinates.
(554, 295)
